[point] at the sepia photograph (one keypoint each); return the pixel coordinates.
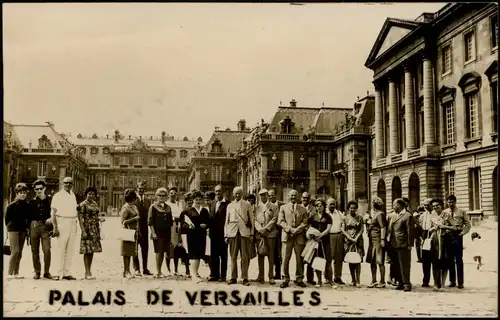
(250, 159)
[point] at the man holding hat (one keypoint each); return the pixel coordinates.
(65, 221)
(266, 217)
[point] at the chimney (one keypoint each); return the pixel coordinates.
(241, 125)
(117, 136)
(163, 137)
(293, 103)
(107, 136)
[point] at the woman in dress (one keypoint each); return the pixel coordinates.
(322, 221)
(441, 243)
(352, 228)
(160, 223)
(88, 216)
(195, 221)
(376, 224)
(16, 221)
(129, 218)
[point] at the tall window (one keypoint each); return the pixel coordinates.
(324, 163)
(450, 183)
(217, 173)
(122, 181)
(449, 116)
(494, 104)
(475, 188)
(472, 121)
(287, 160)
(42, 168)
(138, 160)
(446, 59)
(123, 160)
(494, 31)
(469, 46)
(152, 182)
(154, 160)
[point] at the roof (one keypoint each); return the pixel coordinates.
(125, 142)
(304, 118)
(230, 140)
(26, 134)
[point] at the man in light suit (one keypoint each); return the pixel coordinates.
(400, 235)
(311, 210)
(238, 233)
(266, 217)
(277, 251)
(293, 221)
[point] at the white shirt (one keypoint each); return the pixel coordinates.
(65, 204)
(336, 220)
(176, 209)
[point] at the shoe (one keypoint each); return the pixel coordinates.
(400, 288)
(353, 283)
(381, 285)
(436, 289)
(372, 285)
(212, 279)
(407, 289)
(452, 285)
(419, 261)
(232, 281)
(48, 276)
(271, 281)
(311, 282)
(89, 277)
(301, 284)
(68, 278)
(460, 286)
(222, 280)
(137, 273)
(158, 276)
(246, 282)
(36, 276)
(339, 281)
(425, 285)
(147, 273)
(285, 284)
(319, 285)
(18, 277)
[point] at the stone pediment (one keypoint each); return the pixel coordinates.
(391, 33)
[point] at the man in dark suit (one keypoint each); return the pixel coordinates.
(293, 219)
(400, 236)
(218, 247)
(277, 248)
(143, 205)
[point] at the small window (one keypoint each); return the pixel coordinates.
(83, 150)
(184, 154)
(287, 160)
(105, 150)
(172, 153)
(475, 188)
(494, 31)
(94, 150)
(138, 161)
(42, 168)
(446, 59)
(469, 46)
(324, 163)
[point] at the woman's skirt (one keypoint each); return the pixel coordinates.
(162, 245)
(336, 246)
(376, 253)
(196, 240)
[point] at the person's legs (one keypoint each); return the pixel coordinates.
(459, 261)
(214, 259)
(64, 227)
(245, 256)
(70, 248)
(299, 272)
(234, 247)
(35, 238)
(86, 264)
(288, 248)
(373, 269)
(278, 255)
(271, 242)
(46, 249)
(14, 251)
(358, 273)
(352, 270)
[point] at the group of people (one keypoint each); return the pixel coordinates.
(36, 221)
(210, 228)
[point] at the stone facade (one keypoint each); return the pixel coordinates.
(117, 161)
(436, 107)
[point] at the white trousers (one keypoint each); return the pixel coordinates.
(65, 244)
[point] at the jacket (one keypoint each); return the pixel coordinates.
(266, 217)
(239, 214)
(288, 219)
(401, 230)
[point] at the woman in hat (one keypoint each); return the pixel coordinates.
(16, 221)
(130, 219)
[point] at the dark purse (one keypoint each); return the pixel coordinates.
(6, 247)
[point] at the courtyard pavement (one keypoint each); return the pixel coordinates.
(29, 297)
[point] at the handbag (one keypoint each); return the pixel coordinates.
(319, 263)
(353, 256)
(253, 250)
(126, 234)
(427, 244)
(262, 247)
(207, 246)
(6, 247)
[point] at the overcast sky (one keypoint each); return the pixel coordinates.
(184, 68)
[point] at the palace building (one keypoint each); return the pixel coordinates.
(117, 161)
(436, 107)
(319, 150)
(34, 152)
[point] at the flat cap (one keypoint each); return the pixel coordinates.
(263, 191)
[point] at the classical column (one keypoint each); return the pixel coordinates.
(263, 170)
(409, 110)
(429, 127)
(393, 118)
(312, 174)
(379, 124)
